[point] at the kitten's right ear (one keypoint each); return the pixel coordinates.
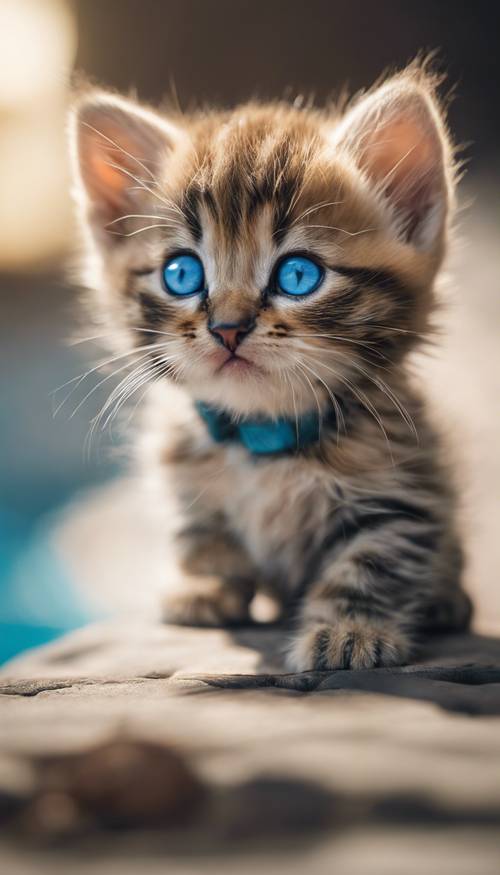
(396, 135)
(118, 151)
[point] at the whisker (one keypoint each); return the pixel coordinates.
(314, 209)
(212, 477)
(104, 380)
(125, 392)
(386, 390)
(127, 387)
(122, 150)
(328, 354)
(377, 380)
(139, 181)
(95, 421)
(318, 405)
(389, 392)
(294, 404)
(124, 388)
(154, 331)
(157, 374)
(81, 377)
(365, 344)
(336, 406)
(393, 169)
(79, 340)
(139, 230)
(399, 330)
(134, 216)
(365, 401)
(119, 393)
(343, 230)
(130, 387)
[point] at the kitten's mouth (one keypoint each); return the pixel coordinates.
(236, 364)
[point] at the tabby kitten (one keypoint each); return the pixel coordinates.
(276, 265)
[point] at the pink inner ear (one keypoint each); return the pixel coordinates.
(399, 151)
(404, 157)
(107, 169)
(120, 148)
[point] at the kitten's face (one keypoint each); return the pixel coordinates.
(268, 257)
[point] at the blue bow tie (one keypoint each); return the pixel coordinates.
(263, 436)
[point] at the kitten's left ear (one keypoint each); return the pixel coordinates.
(397, 136)
(118, 150)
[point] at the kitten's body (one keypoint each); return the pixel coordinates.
(345, 534)
(354, 531)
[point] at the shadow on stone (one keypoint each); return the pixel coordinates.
(457, 672)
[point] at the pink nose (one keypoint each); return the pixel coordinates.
(231, 334)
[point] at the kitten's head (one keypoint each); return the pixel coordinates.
(268, 256)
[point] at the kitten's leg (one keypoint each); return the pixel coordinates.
(217, 582)
(369, 602)
(339, 629)
(451, 611)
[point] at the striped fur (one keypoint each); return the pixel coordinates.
(355, 535)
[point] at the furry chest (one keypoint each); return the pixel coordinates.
(278, 508)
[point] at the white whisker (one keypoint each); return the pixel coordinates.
(139, 230)
(81, 377)
(135, 216)
(386, 390)
(364, 344)
(336, 406)
(122, 150)
(139, 182)
(119, 394)
(364, 400)
(314, 209)
(104, 380)
(344, 230)
(316, 399)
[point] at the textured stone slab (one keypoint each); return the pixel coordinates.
(299, 769)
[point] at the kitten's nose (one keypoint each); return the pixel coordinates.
(230, 334)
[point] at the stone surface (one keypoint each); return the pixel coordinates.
(299, 770)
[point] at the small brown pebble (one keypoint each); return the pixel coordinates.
(126, 783)
(51, 813)
(17, 785)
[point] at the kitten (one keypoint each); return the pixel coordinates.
(276, 264)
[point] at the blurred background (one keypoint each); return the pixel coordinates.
(198, 51)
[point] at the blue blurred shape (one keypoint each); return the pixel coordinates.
(38, 602)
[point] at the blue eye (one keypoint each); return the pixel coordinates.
(298, 275)
(183, 275)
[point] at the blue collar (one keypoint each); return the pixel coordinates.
(263, 436)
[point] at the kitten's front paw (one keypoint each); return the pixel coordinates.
(206, 602)
(348, 644)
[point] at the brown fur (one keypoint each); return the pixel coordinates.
(356, 532)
